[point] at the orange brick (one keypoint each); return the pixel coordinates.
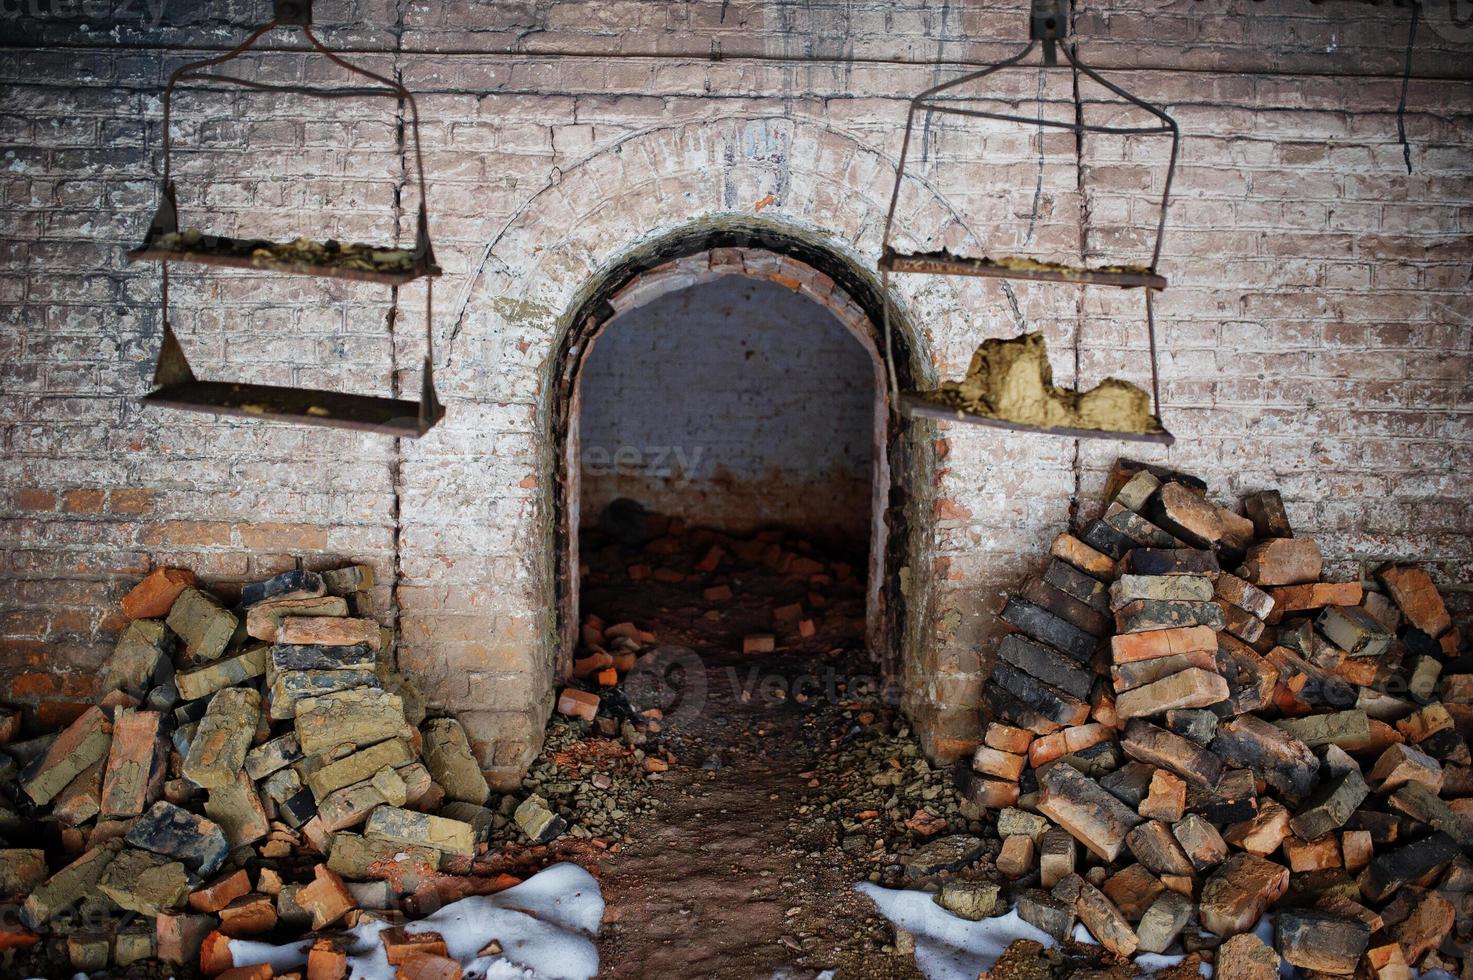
(133, 500)
(293, 538)
(400, 945)
(325, 961)
(1167, 798)
(426, 967)
(152, 598)
(608, 677)
(995, 762)
(83, 501)
(807, 629)
(326, 897)
(1131, 647)
(214, 954)
(1008, 738)
(249, 915)
(1417, 597)
(1046, 749)
(759, 643)
(577, 704)
(717, 593)
(592, 664)
(31, 499)
(1356, 849)
(338, 631)
(1312, 855)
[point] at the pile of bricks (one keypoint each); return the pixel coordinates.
(803, 594)
(1226, 735)
(244, 771)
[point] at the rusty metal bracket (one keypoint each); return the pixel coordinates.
(1049, 23)
(1048, 30)
(175, 384)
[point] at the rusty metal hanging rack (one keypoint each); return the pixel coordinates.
(1048, 30)
(175, 383)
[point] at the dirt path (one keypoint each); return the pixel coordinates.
(732, 878)
(730, 882)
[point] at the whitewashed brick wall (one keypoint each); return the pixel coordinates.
(1316, 334)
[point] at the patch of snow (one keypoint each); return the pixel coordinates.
(949, 947)
(546, 927)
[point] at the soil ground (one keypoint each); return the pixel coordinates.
(733, 878)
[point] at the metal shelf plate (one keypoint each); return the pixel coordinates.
(942, 264)
(365, 413)
(917, 406)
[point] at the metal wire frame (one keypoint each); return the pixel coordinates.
(925, 102)
(378, 410)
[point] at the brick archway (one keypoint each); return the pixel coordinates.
(480, 616)
(687, 258)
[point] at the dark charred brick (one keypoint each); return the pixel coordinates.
(1052, 703)
(297, 583)
(1169, 561)
(1045, 627)
(1394, 869)
(1266, 510)
(1070, 580)
(1330, 805)
(1274, 755)
(1066, 607)
(1233, 799)
(1105, 539)
(1146, 742)
(1046, 664)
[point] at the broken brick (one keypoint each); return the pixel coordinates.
(1417, 597)
(1320, 941)
(154, 596)
(1078, 804)
(83, 743)
(1283, 561)
(1167, 798)
(1237, 894)
(326, 898)
(1016, 857)
(1201, 842)
(578, 704)
(202, 623)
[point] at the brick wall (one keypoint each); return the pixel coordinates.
(736, 403)
(1316, 336)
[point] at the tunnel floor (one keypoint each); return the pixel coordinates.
(742, 873)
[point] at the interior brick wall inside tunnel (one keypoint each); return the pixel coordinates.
(737, 404)
(1315, 336)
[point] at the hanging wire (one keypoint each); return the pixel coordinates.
(1406, 78)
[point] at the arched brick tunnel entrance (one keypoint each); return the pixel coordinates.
(702, 257)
